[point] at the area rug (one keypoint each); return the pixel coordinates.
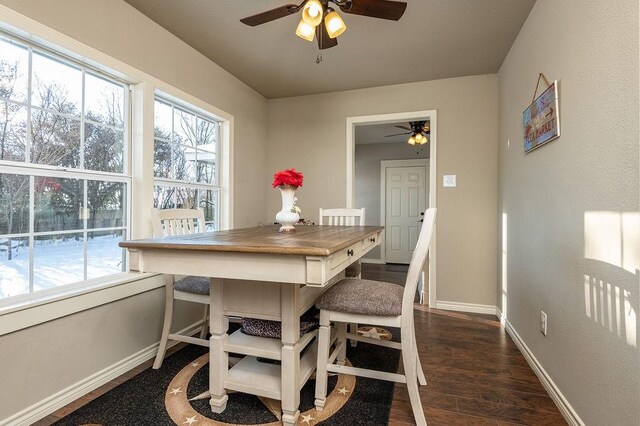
(170, 395)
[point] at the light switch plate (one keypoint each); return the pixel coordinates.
(449, 181)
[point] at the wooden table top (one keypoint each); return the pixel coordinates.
(308, 240)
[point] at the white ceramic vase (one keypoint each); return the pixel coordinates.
(287, 217)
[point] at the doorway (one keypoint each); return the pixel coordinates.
(426, 198)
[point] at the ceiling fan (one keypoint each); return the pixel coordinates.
(314, 11)
(418, 131)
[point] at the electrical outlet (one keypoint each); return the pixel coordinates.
(543, 323)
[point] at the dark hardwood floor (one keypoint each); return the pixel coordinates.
(475, 373)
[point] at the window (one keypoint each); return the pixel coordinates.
(185, 167)
(64, 179)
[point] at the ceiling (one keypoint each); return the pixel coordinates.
(376, 133)
(434, 39)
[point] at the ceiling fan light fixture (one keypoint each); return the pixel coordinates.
(334, 23)
(305, 31)
(411, 141)
(424, 140)
(419, 138)
(312, 13)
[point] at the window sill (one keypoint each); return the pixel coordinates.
(37, 308)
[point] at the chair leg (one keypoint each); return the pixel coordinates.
(353, 329)
(168, 316)
(322, 377)
(421, 378)
(341, 338)
(410, 361)
(205, 323)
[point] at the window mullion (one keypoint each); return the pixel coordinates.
(173, 154)
(32, 214)
(29, 142)
(217, 152)
(85, 210)
(82, 104)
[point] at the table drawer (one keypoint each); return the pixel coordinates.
(321, 269)
(370, 242)
(345, 255)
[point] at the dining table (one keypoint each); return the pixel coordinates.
(264, 274)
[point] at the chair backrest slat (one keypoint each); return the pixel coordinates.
(170, 222)
(417, 260)
(342, 217)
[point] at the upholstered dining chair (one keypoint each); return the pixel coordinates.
(346, 217)
(376, 303)
(166, 223)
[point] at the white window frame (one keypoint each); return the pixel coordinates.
(144, 86)
(35, 170)
(195, 185)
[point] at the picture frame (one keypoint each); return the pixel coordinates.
(541, 119)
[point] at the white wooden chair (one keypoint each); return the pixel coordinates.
(346, 217)
(166, 223)
(342, 217)
(376, 303)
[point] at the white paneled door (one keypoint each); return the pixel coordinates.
(405, 203)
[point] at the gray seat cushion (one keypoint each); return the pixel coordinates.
(194, 285)
(367, 297)
(353, 270)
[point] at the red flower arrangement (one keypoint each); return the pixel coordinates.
(288, 177)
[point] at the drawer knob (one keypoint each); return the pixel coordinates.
(350, 252)
(373, 239)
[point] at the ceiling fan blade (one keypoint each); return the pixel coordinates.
(270, 15)
(324, 41)
(403, 127)
(398, 134)
(383, 9)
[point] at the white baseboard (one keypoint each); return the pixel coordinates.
(58, 400)
(565, 408)
(466, 307)
(374, 261)
(500, 315)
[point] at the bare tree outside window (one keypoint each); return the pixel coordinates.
(185, 160)
(71, 119)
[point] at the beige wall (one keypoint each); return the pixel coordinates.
(571, 206)
(308, 133)
(42, 360)
(367, 175)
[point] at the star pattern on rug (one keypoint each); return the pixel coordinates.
(343, 391)
(175, 391)
(181, 411)
(307, 419)
(189, 420)
(374, 333)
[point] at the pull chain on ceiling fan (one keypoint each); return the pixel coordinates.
(321, 21)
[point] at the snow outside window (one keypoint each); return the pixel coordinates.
(64, 170)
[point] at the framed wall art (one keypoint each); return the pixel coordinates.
(541, 120)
